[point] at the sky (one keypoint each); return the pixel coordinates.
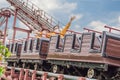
(92, 14)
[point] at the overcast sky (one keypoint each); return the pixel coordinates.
(93, 14)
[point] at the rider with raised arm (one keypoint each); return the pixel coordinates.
(56, 30)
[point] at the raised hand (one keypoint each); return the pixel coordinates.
(72, 18)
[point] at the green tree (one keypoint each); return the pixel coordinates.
(4, 53)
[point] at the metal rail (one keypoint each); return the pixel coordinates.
(68, 77)
(90, 30)
(111, 28)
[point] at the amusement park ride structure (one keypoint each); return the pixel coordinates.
(4, 15)
(86, 55)
(33, 17)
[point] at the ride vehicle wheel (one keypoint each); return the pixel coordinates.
(90, 73)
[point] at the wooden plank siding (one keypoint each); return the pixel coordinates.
(111, 45)
(113, 48)
(86, 42)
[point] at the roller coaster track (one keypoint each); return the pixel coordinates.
(3, 15)
(13, 73)
(32, 15)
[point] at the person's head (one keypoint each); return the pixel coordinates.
(56, 29)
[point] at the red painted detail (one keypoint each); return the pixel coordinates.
(82, 78)
(14, 75)
(26, 77)
(34, 75)
(61, 77)
(21, 75)
(44, 76)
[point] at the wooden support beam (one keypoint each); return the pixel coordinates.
(14, 23)
(23, 30)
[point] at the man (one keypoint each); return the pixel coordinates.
(64, 30)
(56, 30)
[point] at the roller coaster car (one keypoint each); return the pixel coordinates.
(111, 46)
(70, 54)
(90, 52)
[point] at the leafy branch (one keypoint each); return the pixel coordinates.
(4, 53)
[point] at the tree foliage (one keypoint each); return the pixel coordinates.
(4, 53)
